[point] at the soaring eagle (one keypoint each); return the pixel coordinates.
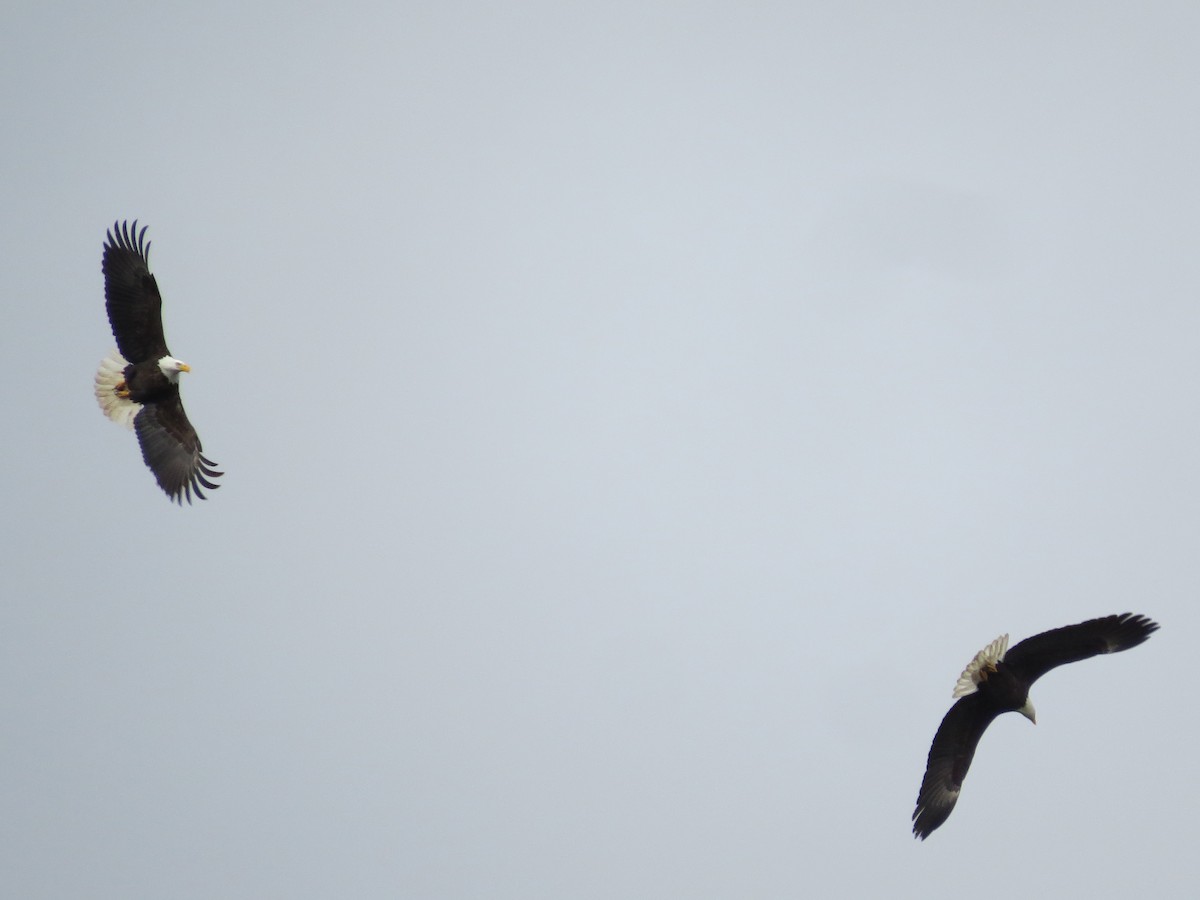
(997, 681)
(137, 385)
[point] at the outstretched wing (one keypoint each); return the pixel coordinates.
(171, 449)
(131, 294)
(949, 758)
(1035, 656)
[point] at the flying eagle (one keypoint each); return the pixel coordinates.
(997, 681)
(137, 385)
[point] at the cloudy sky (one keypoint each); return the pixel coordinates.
(634, 416)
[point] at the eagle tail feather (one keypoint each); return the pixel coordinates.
(110, 374)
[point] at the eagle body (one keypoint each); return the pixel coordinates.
(146, 383)
(138, 384)
(997, 681)
(1004, 689)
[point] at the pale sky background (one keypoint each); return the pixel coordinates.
(634, 416)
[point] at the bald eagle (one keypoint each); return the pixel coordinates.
(137, 385)
(997, 681)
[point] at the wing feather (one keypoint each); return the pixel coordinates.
(171, 449)
(1035, 656)
(131, 294)
(950, 756)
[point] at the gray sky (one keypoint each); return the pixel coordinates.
(634, 415)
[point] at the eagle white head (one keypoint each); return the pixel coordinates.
(1028, 711)
(171, 367)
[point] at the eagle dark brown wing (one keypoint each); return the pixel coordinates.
(1035, 656)
(171, 449)
(131, 295)
(949, 758)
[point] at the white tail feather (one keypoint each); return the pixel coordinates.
(108, 376)
(968, 681)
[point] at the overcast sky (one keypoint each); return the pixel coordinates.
(634, 416)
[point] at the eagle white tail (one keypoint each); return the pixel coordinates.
(968, 681)
(108, 376)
